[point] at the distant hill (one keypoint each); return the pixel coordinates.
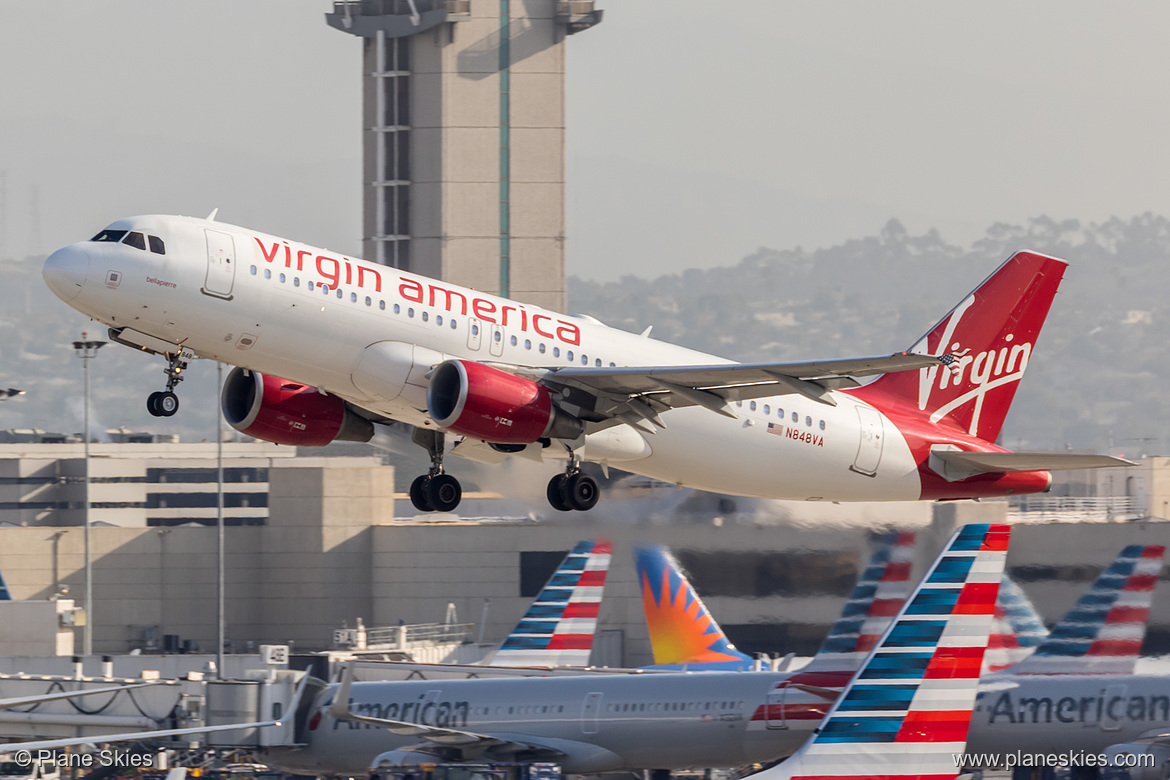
(1101, 369)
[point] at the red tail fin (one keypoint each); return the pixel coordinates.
(991, 332)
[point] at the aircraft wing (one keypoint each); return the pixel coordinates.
(22, 701)
(983, 462)
(640, 392)
(131, 736)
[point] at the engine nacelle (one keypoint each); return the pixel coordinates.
(492, 405)
(285, 412)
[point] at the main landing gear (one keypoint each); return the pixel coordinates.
(166, 403)
(434, 491)
(573, 490)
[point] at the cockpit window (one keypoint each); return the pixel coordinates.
(156, 245)
(135, 240)
(109, 235)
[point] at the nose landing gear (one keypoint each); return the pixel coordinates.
(166, 403)
(573, 490)
(434, 491)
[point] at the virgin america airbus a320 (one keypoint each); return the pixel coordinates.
(325, 347)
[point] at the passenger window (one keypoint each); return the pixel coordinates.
(752, 406)
(556, 351)
(135, 240)
(252, 270)
(382, 305)
(569, 355)
(353, 297)
(780, 413)
(439, 319)
(527, 343)
(474, 330)
(297, 281)
(267, 273)
(513, 341)
(597, 363)
(309, 285)
(370, 301)
(157, 246)
(425, 315)
(282, 278)
(410, 312)
(397, 309)
(498, 335)
(767, 409)
(112, 236)
(541, 348)
(822, 425)
(795, 417)
(339, 293)
(808, 421)
(584, 360)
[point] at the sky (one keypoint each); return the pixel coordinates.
(697, 131)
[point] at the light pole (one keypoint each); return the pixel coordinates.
(219, 559)
(87, 350)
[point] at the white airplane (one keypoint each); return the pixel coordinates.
(924, 668)
(326, 346)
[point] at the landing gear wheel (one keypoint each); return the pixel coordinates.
(167, 404)
(418, 494)
(581, 492)
(443, 492)
(556, 493)
(152, 404)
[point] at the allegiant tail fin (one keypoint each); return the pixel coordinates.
(990, 334)
(682, 630)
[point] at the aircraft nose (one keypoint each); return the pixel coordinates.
(66, 270)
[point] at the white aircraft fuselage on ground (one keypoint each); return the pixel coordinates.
(327, 343)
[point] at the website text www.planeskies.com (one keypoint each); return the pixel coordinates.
(1066, 759)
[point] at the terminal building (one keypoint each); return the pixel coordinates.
(463, 131)
(315, 544)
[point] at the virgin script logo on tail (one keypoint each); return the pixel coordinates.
(970, 376)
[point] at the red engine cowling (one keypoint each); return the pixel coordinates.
(495, 406)
(284, 412)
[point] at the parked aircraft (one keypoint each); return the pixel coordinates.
(559, 626)
(638, 721)
(326, 346)
(685, 636)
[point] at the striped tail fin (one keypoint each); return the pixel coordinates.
(5, 595)
(878, 595)
(558, 629)
(905, 714)
(1016, 631)
(1103, 632)
(682, 630)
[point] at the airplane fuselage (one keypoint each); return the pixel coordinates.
(370, 334)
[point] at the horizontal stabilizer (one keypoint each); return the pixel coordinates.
(956, 464)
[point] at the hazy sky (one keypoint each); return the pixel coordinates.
(698, 131)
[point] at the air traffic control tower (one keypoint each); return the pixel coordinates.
(464, 138)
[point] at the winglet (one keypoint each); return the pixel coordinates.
(211, 216)
(339, 707)
(906, 712)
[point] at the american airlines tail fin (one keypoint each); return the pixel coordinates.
(1016, 631)
(558, 629)
(1103, 632)
(907, 710)
(991, 334)
(5, 595)
(682, 631)
(878, 595)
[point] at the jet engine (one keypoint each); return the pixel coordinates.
(284, 412)
(492, 405)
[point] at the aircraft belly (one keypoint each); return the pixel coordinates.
(766, 458)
